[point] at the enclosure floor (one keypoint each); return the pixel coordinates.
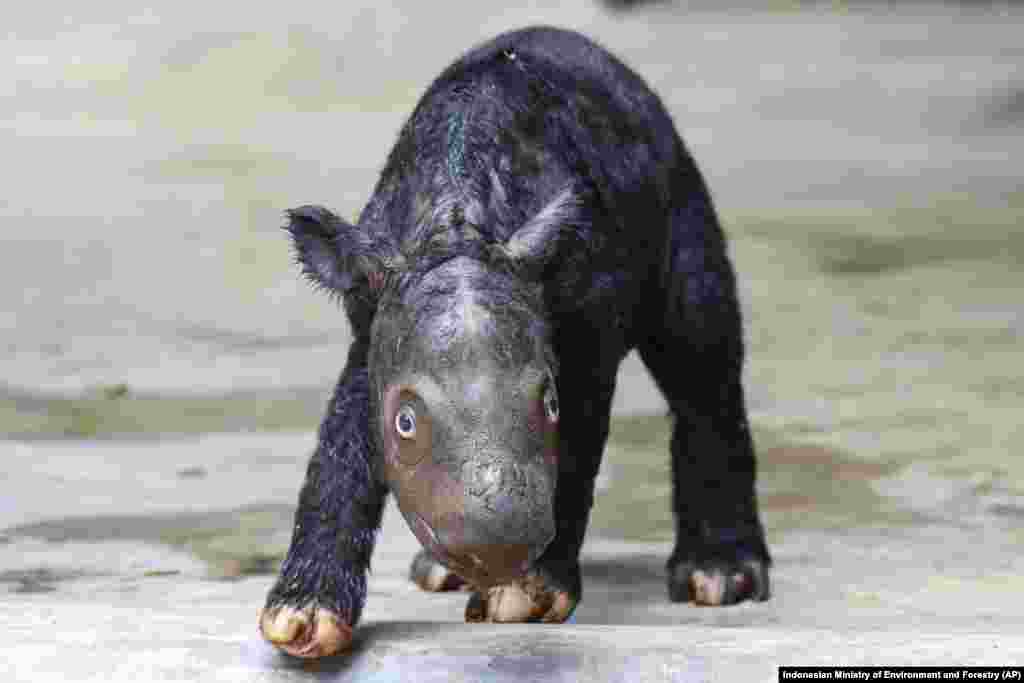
(163, 367)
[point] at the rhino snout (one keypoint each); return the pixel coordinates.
(506, 523)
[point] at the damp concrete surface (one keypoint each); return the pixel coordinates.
(163, 367)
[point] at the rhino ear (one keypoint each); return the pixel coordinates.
(337, 255)
(534, 245)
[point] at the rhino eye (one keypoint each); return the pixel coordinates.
(405, 422)
(551, 403)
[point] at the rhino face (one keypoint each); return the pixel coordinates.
(464, 403)
(467, 418)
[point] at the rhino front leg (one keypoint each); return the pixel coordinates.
(319, 595)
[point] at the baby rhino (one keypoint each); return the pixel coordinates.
(538, 218)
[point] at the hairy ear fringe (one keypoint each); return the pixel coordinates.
(337, 256)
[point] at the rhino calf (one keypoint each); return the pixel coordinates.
(537, 219)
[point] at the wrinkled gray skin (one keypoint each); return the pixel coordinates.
(463, 350)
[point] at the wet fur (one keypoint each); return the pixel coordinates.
(541, 125)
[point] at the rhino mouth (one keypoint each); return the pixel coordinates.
(481, 564)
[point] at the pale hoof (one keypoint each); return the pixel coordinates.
(714, 586)
(308, 633)
(528, 600)
(432, 576)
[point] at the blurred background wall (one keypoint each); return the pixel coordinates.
(866, 158)
(150, 152)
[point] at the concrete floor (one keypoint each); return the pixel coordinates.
(96, 595)
(162, 365)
